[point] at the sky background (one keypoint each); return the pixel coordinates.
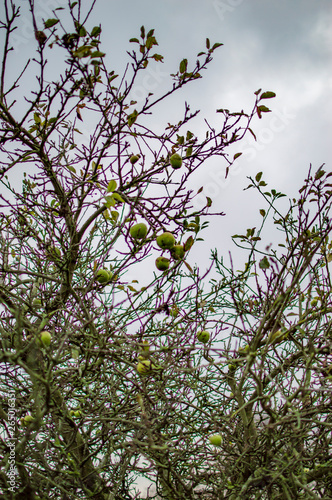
(280, 46)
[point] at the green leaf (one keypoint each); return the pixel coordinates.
(262, 212)
(252, 133)
(183, 65)
(111, 186)
(97, 53)
(157, 57)
(258, 91)
(142, 32)
(189, 151)
(264, 263)
(188, 244)
(319, 174)
(50, 22)
(209, 201)
(216, 45)
(134, 40)
(237, 155)
(37, 118)
(207, 43)
(263, 109)
(150, 42)
(109, 201)
(188, 266)
(259, 176)
(132, 118)
(73, 5)
(95, 31)
(118, 198)
(267, 95)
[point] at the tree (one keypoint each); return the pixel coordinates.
(120, 387)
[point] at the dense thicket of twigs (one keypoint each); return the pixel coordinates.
(68, 201)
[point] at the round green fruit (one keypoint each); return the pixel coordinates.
(134, 159)
(44, 339)
(162, 263)
(176, 161)
(139, 231)
(177, 252)
(28, 419)
(165, 241)
(216, 440)
(103, 276)
(144, 367)
(203, 336)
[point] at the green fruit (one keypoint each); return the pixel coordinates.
(277, 337)
(144, 367)
(139, 231)
(176, 161)
(216, 440)
(166, 241)
(28, 419)
(45, 338)
(162, 263)
(203, 336)
(103, 276)
(133, 159)
(177, 252)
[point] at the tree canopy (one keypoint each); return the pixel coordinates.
(207, 388)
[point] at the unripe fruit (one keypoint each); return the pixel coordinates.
(176, 161)
(103, 276)
(28, 419)
(177, 252)
(203, 336)
(216, 440)
(277, 337)
(144, 367)
(165, 241)
(139, 231)
(45, 339)
(133, 159)
(162, 263)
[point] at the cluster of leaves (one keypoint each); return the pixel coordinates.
(95, 426)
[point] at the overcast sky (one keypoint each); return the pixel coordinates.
(284, 46)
